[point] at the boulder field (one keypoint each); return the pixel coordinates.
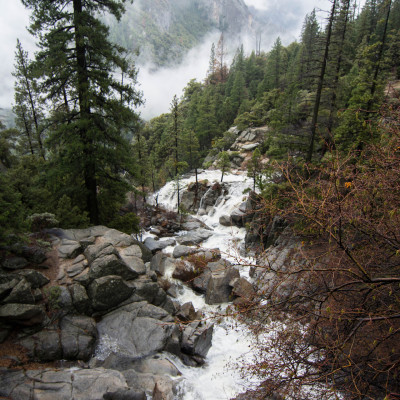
(93, 315)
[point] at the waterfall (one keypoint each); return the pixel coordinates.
(219, 378)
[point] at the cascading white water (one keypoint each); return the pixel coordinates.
(232, 345)
(219, 379)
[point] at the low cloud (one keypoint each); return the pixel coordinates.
(160, 86)
(13, 21)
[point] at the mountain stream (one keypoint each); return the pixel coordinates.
(219, 378)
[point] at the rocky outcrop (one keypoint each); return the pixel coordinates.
(62, 384)
(250, 139)
(73, 338)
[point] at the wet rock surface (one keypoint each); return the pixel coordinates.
(110, 310)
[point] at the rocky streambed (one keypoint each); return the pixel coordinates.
(102, 315)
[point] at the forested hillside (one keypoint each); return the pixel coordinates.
(163, 31)
(319, 93)
(323, 91)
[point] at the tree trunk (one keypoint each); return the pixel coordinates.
(338, 66)
(83, 96)
(320, 84)
(379, 57)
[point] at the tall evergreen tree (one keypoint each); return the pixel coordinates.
(321, 81)
(79, 64)
(27, 108)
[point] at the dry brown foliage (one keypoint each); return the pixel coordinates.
(340, 295)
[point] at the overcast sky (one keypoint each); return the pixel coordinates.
(158, 88)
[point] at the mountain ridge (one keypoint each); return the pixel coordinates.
(162, 31)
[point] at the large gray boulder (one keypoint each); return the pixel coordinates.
(108, 291)
(184, 271)
(219, 287)
(156, 245)
(35, 278)
(183, 251)
(113, 265)
(242, 288)
(78, 337)
(7, 284)
(43, 346)
(21, 293)
(125, 394)
(117, 238)
(132, 256)
(80, 299)
(157, 263)
(69, 248)
(98, 251)
(146, 289)
(14, 263)
(146, 253)
(34, 254)
(197, 339)
(200, 283)
(140, 329)
(24, 314)
(194, 237)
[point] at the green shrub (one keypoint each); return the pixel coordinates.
(71, 217)
(38, 222)
(128, 223)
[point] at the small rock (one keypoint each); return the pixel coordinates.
(194, 237)
(225, 220)
(75, 269)
(183, 251)
(157, 245)
(186, 312)
(69, 249)
(184, 271)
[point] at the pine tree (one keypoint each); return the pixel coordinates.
(321, 82)
(28, 111)
(79, 64)
(222, 69)
(308, 56)
(223, 163)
